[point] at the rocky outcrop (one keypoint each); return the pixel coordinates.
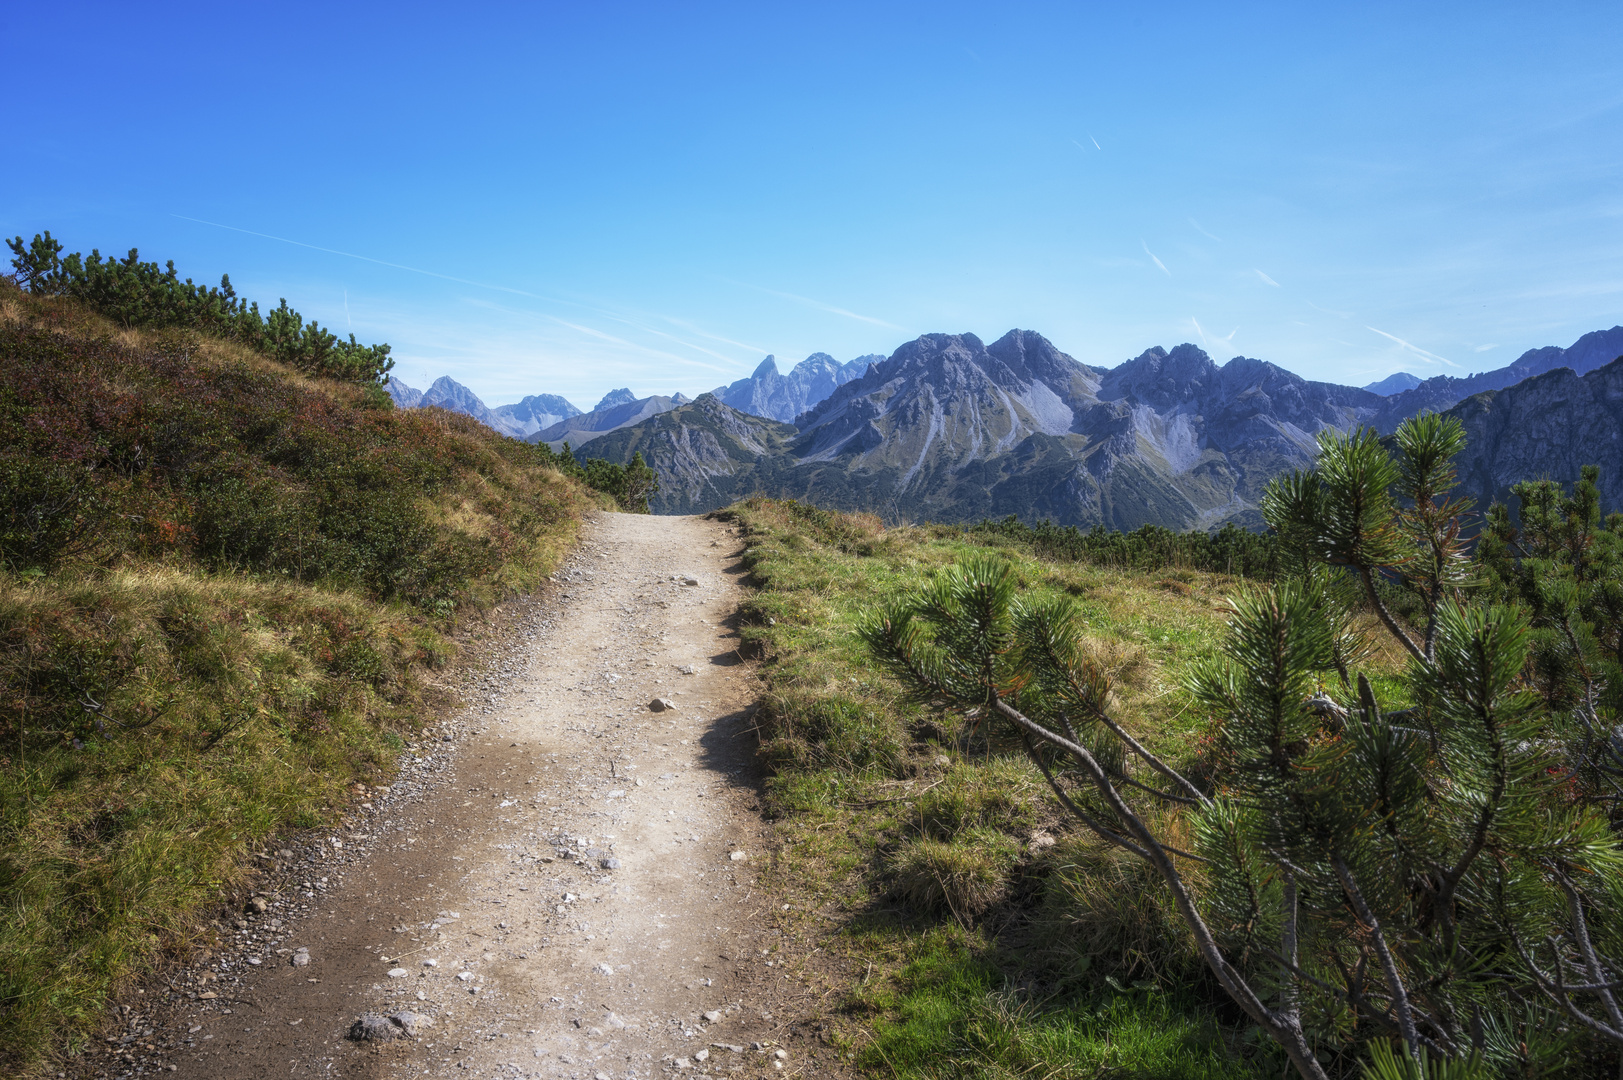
(622, 396)
(404, 397)
(1547, 427)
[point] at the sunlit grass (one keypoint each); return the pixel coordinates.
(984, 935)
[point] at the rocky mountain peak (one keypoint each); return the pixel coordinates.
(622, 396)
(1395, 383)
(1160, 378)
(779, 396)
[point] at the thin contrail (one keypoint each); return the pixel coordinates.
(379, 262)
(475, 284)
(1157, 261)
(1417, 350)
(830, 308)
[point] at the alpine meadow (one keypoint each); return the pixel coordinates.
(867, 542)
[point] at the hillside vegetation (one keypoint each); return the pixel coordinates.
(220, 573)
(977, 929)
(978, 933)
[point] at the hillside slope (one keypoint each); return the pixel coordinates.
(706, 454)
(219, 579)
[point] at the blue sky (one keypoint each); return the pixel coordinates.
(570, 198)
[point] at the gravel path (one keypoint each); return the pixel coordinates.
(560, 884)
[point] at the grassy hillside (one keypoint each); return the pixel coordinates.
(976, 932)
(219, 576)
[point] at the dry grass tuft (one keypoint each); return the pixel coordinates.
(963, 877)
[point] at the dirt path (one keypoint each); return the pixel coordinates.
(563, 885)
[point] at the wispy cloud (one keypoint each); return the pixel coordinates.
(1196, 225)
(615, 316)
(820, 306)
(1266, 280)
(1484, 348)
(590, 331)
(707, 335)
(1208, 340)
(1095, 143)
(1417, 350)
(1157, 261)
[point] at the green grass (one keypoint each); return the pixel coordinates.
(956, 1016)
(979, 932)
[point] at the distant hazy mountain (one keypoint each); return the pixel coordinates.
(622, 396)
(1443, 391)
(534, 413)
(784, 397)
(526, 417)
(617, 409)
(1394, 384)
(404, 396)
(1546, 427)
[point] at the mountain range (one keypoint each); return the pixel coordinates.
(950, 429)
(618, 409)
(1443, 391)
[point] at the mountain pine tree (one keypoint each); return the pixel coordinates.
(1427, 878)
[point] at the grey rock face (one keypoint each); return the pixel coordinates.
(784, 397)
(1549, 426)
